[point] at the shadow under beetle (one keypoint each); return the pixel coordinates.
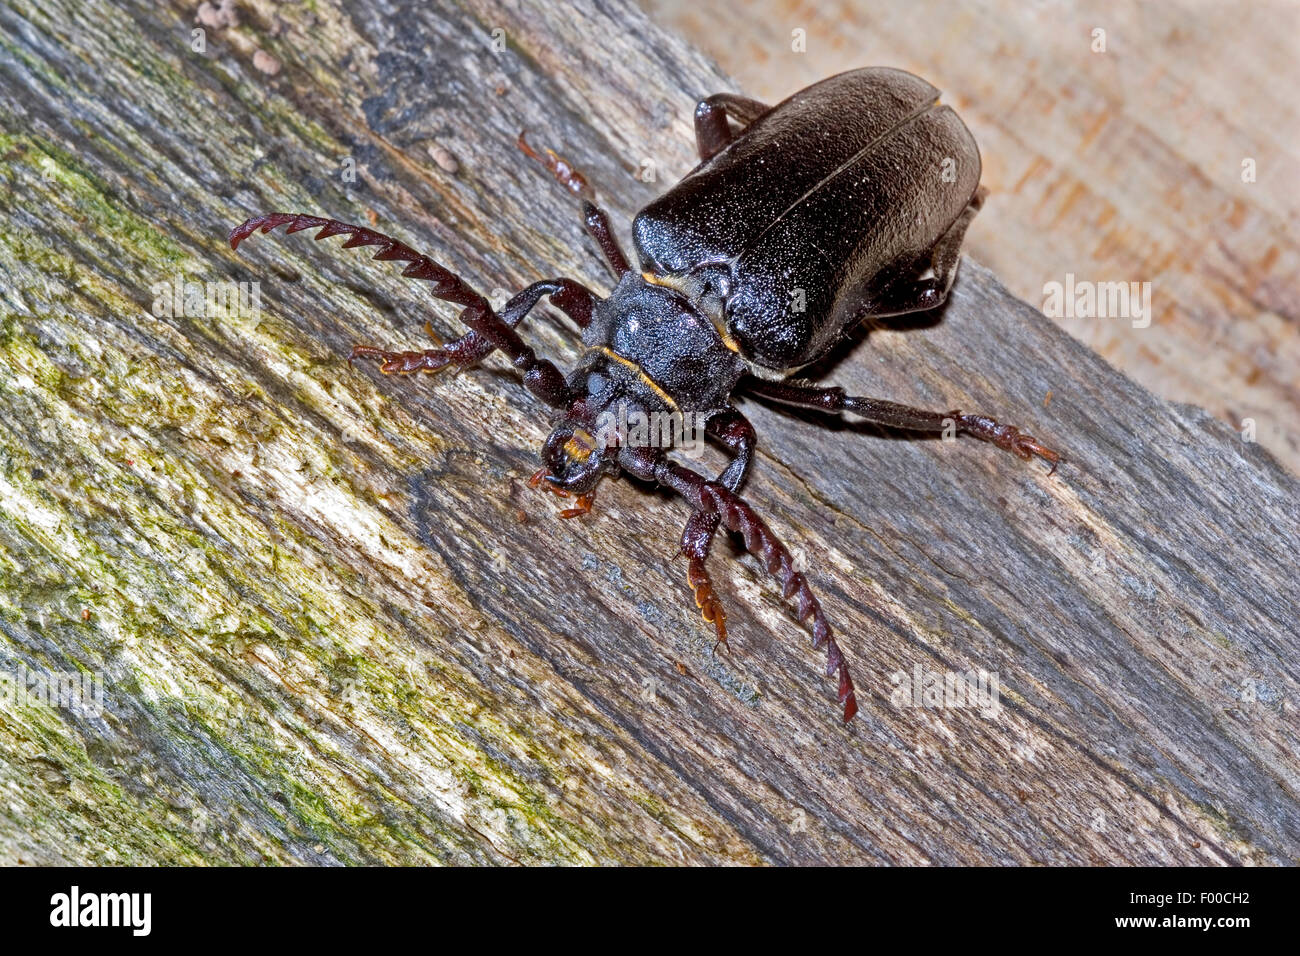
(847, 200)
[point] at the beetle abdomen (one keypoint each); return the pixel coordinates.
(813, 205)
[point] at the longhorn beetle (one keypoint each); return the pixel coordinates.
(847, 200)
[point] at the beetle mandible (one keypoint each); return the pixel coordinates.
(846, 201)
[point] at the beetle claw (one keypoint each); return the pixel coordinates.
(1026, 447)
(1008, 438)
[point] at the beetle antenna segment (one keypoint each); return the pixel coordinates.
(739, 516)
(447, 285)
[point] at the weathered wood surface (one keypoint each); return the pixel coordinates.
(1115, 165)
(326, 634)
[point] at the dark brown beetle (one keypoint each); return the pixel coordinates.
(847, 200)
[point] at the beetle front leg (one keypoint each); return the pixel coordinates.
(892, 415)
(737, 434)
(572, 298)
(593, 217)
(712, 130)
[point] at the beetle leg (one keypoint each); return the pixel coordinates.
(736, 514)
(565, 173)
(572, 298)
(712, 129)
(733, 430)
(541, 377)
(593, 216)
(947, 251)
(892, 415)
(909, 294)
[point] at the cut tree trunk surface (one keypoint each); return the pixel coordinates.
(333, 622)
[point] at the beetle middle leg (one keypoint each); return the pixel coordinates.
(712, 127)
(735, 432)
(540, 376)
(892, 415)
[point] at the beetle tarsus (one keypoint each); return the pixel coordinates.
(564, 171)
(706, 600)
(402, 363)
(1007, 437)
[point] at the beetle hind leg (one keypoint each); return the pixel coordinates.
(888, 414)
(926, 286)
(408, 362)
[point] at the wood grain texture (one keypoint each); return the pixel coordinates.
(327, 634)
(1115, 166)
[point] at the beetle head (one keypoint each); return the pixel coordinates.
(585, 444)
(574, 459)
